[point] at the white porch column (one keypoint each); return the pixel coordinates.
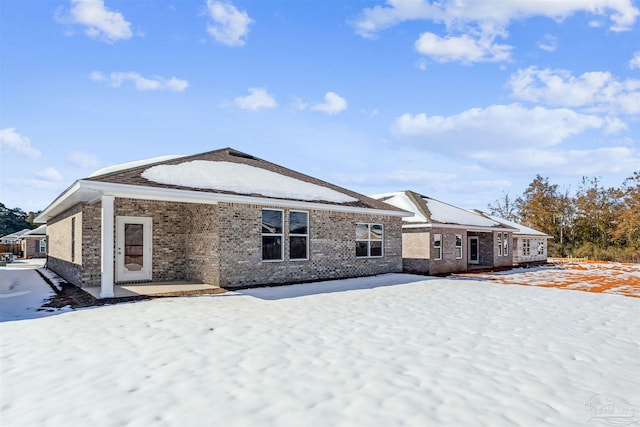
(106, 263)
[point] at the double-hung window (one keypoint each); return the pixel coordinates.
(526, 247)
(541, 247)
(499, 244)
(458, 246)
(437, 246)
(369, 240)
(42, 246)
(505, 243)
(272, 226)
(298, 235)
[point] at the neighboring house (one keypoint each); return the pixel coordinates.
(441, 238)
(12, 239)
(529, 245)
(222, 217)
(11, 243)
(34, 243)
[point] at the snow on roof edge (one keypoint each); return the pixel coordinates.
(136, 163)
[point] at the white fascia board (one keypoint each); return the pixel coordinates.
(189, 196)
(51, 210)
(458, 227)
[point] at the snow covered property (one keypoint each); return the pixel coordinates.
(390, 350)
(223, 218)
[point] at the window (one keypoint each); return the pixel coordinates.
(298, 235)
(437, 246)
(272, 235)
(526, 247)
(42, 246)
(541, 247)
(458, 246)
(369, 240)
(505, 243)
(499, 244)
(73, 239)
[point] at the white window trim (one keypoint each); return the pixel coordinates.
(281, 235)
(460, 246)
(499, 243)
(439, 257)
(299, 235)
(369, 240)
(42, 246)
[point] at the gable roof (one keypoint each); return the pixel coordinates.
(36, 232)
(429, 212)
(521, 230)
(16, 234)
(211, 177)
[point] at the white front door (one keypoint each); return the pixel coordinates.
(133, 248)
(474, 250)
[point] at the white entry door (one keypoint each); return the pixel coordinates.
(474, 250)
(133, 248)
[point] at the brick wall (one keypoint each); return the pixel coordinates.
(60, 257)
(449, 263)
(222, 244)
(331, 248)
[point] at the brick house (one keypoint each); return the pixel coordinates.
(222, 217)
(529, 245)
(440, 238)
(33, 243)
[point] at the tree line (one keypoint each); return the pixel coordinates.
(12, 220)
(596, 222)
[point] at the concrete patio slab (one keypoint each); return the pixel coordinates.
(157, 289)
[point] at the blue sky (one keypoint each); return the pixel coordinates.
(459, 100)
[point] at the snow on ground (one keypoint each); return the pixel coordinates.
(23, 292)
(383, 351)
(602, 277)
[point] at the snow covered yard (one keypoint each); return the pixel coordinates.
(383, 351)
(23, 292)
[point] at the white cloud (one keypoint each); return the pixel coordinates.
(83, 160)
(600, 91)
(378, 18)
(577, 163)
(141, 83)
(230, 26)
(333, 104)
(549, 43)
(463, 48)
(12, 141)
(49, 174)
(39, 184)
(635, 61)
(100, 22)
(489, 13)
(257, 100)
(497, 127)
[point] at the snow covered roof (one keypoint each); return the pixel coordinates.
(521, 230)
(434, 212)
(212, 177)
(39, 231)
(242, 179)
(15, 235)
(130, 165)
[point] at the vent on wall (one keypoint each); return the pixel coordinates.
(235, 153)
